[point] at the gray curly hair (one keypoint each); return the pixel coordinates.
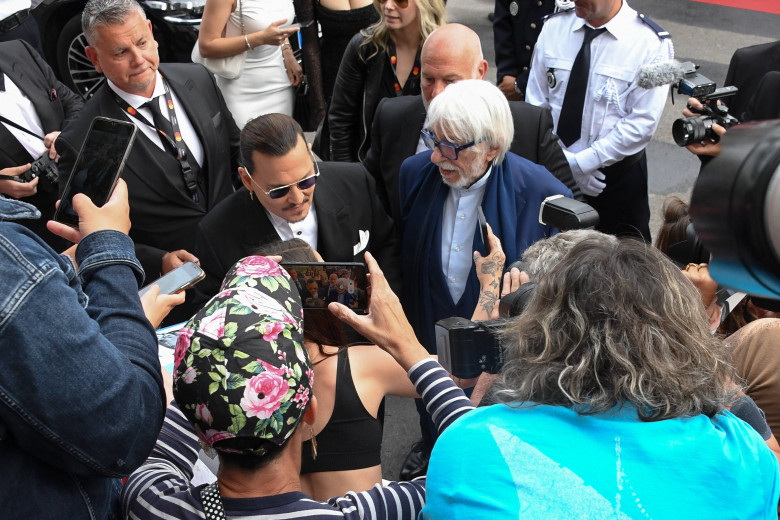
(615, 323)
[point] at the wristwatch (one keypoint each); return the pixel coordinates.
(518, 91)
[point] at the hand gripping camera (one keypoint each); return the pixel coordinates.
(689, 130)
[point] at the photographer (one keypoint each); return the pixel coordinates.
(81, 397)
(613, 398)
(764, 104)
(34, 107)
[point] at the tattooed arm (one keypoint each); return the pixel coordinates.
(489, 271)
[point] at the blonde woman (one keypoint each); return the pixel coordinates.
(382, 61)
(270, 70)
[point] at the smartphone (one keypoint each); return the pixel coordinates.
(98, 165)
(320, 283)
(296, 24)
(181, 278)
(483, 229)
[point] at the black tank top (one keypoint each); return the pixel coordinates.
(352, 439)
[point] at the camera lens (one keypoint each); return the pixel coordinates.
(691, 130)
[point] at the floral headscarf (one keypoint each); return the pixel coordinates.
(240, 367)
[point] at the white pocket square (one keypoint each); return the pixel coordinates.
(362, 243)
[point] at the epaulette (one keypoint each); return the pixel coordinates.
(654, 26)
(547, 17)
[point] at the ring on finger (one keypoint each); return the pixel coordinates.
(691, 265)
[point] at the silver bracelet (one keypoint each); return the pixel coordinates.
(249, 47)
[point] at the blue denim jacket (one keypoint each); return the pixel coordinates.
(80, 387)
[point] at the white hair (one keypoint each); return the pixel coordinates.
(473, 110)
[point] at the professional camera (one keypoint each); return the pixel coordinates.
(735, 208)
(45, 169)
(689, 130)
(467, 348)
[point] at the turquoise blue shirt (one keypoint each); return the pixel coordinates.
(548, 462)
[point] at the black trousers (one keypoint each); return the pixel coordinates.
(624, 206)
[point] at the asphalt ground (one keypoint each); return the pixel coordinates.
(703, 33)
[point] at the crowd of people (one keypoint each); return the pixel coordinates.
(632, 385)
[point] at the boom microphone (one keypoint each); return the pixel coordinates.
(659, 74)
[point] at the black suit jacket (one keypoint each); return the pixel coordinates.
(164, 217)
(396, 132)
(346, 203)
(748, 65)
(54, 103)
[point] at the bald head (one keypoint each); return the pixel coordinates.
(450, 54)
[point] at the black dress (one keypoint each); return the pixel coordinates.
(338, 27)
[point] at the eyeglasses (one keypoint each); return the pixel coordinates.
(447, 149)
(303, 184)
(400, 3)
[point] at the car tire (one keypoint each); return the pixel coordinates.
(75, 69)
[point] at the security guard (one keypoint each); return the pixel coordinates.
(516, 26)
(584, 69)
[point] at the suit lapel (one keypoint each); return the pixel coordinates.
(334, 235)
(37, 92)
(413, 119)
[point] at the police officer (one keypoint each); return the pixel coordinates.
(516, 26)
(584, 69)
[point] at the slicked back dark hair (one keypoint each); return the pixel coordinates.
(270, 134)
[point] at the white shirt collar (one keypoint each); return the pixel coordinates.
(617, 26)
(305, 229)
(134, 100)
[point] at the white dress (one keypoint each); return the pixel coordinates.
(263, 87)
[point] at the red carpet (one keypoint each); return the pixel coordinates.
(764, 6)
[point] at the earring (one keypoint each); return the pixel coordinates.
(313, 443)
(252, 195)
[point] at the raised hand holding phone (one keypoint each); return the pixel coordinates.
(114, 215)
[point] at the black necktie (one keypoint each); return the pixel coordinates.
(161, 124)
(570, 120)
(2, 82)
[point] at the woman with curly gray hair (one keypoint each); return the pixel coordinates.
(612, 405)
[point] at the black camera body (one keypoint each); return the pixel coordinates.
(45, 169)
(689, 130)
(467, 348)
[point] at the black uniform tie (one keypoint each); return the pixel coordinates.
(570, 120)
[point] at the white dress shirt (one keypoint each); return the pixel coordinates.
(458, 225)
(16, 107)
(305, 229)
(619, 117)
(188, 133)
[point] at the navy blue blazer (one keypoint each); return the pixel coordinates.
(513, 195)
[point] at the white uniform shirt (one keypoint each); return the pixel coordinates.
(619, 117)
(458, 225)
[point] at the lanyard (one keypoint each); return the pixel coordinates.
(177, 143)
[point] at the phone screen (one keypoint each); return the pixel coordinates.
(483, 230)
(98, 165)
(320, 283)
(183, 277)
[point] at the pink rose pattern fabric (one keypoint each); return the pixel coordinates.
(239, 367)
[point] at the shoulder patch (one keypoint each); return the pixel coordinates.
(655, 27)
(547, 17)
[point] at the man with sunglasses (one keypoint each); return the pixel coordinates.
(469, 166)
(286, 194)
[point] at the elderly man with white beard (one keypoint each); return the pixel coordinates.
(469, 133)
